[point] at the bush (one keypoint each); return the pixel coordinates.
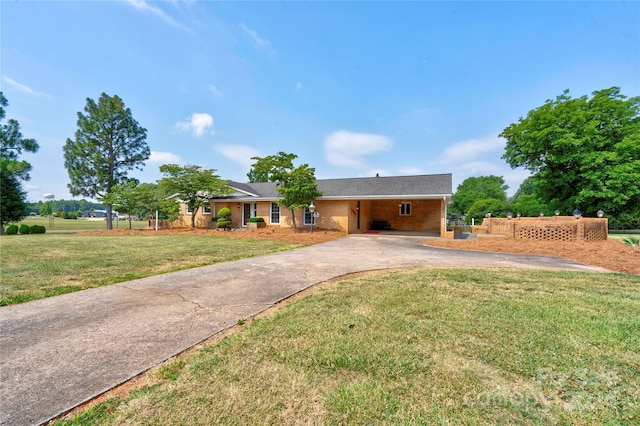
(224, 220)
(12, 230)
(69, 215)
(631, 241)
(256, 219)
(24, 229)
(38, 229)
(224, 223)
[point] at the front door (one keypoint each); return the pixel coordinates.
(246, 213)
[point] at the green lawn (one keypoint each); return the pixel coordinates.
(80, 224)
(619, 235)
(417, 347)
(37, 266)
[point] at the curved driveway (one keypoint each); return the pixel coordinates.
(59, 352)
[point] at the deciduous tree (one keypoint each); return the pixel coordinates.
(272, 168)
(478, 188)
(480, 208)
(584, 152)
(108, 144)
(296, 185)
(298, 189)
(194, 185)
(124, 198)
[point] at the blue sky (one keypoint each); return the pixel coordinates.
(353, 88)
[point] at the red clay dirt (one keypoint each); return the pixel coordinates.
(611, 254)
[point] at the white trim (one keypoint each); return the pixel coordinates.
(271, 213)
(244, 192)
(304, 217)
(204, 209)
(406, 207)
(346, 197)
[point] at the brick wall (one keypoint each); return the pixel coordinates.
(548, 228)
(425, 215)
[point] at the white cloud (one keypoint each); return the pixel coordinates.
(23, 87)
(216, 92)
(469, 150)
(198, 123)
(160, 158)
(144, 6)
(345, 148)
(240, 154)
(258, 42)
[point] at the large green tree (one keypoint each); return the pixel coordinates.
(477, 188)
(272, 168)
(296, 185)
(298, 190)
(193, 185)
(108, 144)
(479, 209)
(584, 152)
(13, 170)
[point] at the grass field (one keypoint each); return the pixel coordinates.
(418, 347)
(619, 235)
(80, 224)
(38, 266)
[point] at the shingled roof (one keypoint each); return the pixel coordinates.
(416, 187)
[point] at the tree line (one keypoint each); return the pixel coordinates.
(583, 153)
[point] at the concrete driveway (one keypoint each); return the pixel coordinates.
(59, 352)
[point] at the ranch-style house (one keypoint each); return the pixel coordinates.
(351, 205)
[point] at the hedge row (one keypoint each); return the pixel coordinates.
(25, 229)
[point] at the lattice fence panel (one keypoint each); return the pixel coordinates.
(595, 232)
(549, 233)
(499, 226)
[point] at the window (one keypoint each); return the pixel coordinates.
(206, 209)
(187, 210)
(275, 213)
(405, 209)
(307, 217)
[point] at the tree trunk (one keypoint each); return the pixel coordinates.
(1, 228)
(293, 219)
(109, 218)
(193, 217)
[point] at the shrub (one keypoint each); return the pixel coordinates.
(38, 229)
(631, 241)
(12, 230)
(256, 219)
(224, 220)
(24, 229)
